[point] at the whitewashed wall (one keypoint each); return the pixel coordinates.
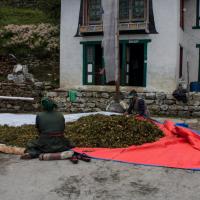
(163, 51)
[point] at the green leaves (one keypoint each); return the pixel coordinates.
(92, 131)
(111, 131)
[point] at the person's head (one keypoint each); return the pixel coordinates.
(132, 95)
(48, 104)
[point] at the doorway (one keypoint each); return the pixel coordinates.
(135, 65)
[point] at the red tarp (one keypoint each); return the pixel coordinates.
(180, 148)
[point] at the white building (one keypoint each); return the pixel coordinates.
(159, 44)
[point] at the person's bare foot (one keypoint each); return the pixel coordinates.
(26, 156)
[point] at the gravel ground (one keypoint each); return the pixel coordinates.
(98, 180)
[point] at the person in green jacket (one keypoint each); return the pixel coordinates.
(50, 125)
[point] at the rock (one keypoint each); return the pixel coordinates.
(91, 105)
(52, 94)
(105, 95)
(169, 102)
(17, 108)
(196, 96)
(10, 77)
(196, 114)
(154, 107)
(164, 107)
(79, 94)
(160, 96)
(169, 97)
(39, 84)
(88, 94)
(149, 102)
(151, 96)
(115, 107)
(17, 68)
(97, 110)
(194, 103)
(36, 106)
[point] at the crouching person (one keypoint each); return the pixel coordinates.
(137, 105)
(50, 125)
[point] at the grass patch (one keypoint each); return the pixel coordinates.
(20, 16)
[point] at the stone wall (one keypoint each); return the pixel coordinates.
(23, 90)
(92, 101)
(158, 103)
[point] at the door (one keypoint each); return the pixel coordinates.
(134, 69)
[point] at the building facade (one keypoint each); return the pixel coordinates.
(159, 44)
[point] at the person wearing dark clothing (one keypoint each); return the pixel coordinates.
(137, 105)
(180, 94)
(50, 125)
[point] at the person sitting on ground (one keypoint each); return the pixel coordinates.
(137, 105)
(50, 125)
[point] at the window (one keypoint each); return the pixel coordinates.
(94, 11)
(133, 63)
(181, 62)
(197, 15)
(132, 10)
(182, 14)
(93, 65)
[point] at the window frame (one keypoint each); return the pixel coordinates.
(86, 19)
(198, 46)
(197, 15)
(131, 19)
(124, 43)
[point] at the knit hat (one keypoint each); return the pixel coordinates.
(48, 104)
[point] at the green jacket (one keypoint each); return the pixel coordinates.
(50, 122)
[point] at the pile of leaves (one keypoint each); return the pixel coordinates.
(92, 131)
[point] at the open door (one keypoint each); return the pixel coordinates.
(134, 69)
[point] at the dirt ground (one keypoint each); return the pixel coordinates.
(98, 180)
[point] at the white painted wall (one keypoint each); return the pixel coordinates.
(163, 54)
(191, 37)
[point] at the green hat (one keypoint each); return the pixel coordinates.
(132, 94)
(48, 104)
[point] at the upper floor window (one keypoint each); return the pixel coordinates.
(132, 10)
(94, 11)
(129, 11)
(198, 14)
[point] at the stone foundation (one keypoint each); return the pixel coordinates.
(22, 90)
(158, 103)
(93, 101)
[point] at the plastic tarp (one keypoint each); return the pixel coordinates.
(180, 148)
(110, 9)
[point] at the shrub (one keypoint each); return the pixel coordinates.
(34, 38)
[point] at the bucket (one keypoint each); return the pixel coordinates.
(72, 96)
(195, 87)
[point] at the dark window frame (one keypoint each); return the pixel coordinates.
(182, 17)
(197, 15)
(130, 14)
(181, 62)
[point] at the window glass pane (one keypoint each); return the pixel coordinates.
(138, 9)
(90, 54)
(124, 9)
(89, 78)
(89, 68)
(94, 10)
